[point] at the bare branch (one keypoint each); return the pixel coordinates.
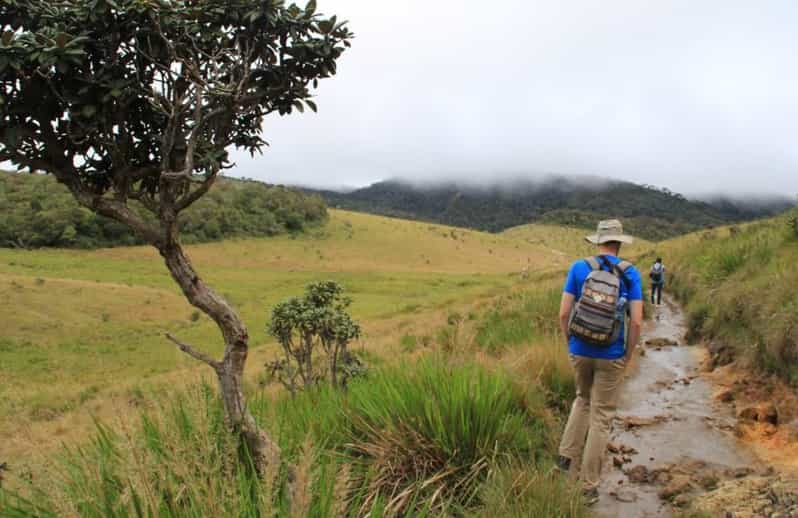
(197, 355)
(197, 193)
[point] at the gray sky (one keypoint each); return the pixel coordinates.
(695, 95)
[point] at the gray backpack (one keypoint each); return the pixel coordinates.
(597, 317)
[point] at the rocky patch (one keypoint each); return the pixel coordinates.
(772, 497)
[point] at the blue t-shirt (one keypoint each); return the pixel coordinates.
(573, 285)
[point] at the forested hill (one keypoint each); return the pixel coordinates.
(648, 212)
(36, 211)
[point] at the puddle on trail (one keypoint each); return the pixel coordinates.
(666, 414)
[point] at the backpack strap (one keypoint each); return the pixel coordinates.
(593, 263)
(621, 268)
(618, 269)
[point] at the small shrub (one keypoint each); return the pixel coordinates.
(195, 316)
(316, 322)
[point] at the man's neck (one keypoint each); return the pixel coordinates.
(608, 251)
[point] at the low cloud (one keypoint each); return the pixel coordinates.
(695, 96)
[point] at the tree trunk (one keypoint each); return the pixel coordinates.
(230, 370)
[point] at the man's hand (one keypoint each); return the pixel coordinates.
(566, 305)
(635, 327)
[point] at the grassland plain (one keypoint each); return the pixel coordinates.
(85, 337)
(85, 328)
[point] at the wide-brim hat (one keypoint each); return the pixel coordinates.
(607, 231)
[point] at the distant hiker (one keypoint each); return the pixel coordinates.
(657, 276)
(598, 295)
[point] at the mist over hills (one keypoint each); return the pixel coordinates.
(647, 211)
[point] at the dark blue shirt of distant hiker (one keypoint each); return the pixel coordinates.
(573, 285)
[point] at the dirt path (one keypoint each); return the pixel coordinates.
(671, 442)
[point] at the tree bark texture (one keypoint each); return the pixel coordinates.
(230, 370)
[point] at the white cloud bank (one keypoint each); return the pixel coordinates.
(698, 96)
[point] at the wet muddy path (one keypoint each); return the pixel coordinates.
(670, 440)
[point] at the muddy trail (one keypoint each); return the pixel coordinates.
(673, 446)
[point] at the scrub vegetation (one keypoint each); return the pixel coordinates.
(442, 405)
(738, 284)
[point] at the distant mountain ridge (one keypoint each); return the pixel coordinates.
(649, 212)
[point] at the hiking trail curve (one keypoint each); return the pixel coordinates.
(673, 445)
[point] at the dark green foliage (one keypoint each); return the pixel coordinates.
(134, 104)
(647, 212)
(315, 323)
(36, 211)
(100, 80)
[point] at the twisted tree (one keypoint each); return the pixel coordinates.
(133, 105)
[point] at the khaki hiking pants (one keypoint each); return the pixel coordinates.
(598, 383)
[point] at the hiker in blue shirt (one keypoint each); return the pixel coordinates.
(600, 347)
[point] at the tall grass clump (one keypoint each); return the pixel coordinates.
(181, 460)
(422, 437)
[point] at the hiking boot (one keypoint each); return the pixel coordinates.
(563, 464)
(590, 496)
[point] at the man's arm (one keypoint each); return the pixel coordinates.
(566, 304)
(635, 327)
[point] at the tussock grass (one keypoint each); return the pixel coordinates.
(428, 433)
(426, 440)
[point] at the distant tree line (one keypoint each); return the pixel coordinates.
(649, 212)
(36, 211)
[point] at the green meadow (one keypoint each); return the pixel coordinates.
(83, 326)
(84, 344)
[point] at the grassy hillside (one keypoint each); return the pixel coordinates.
(648, 212)
(89, 324)
(739, 287)
(87, 343)
(36, 211)
(567, 241)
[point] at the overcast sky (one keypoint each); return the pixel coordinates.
(695, 95)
